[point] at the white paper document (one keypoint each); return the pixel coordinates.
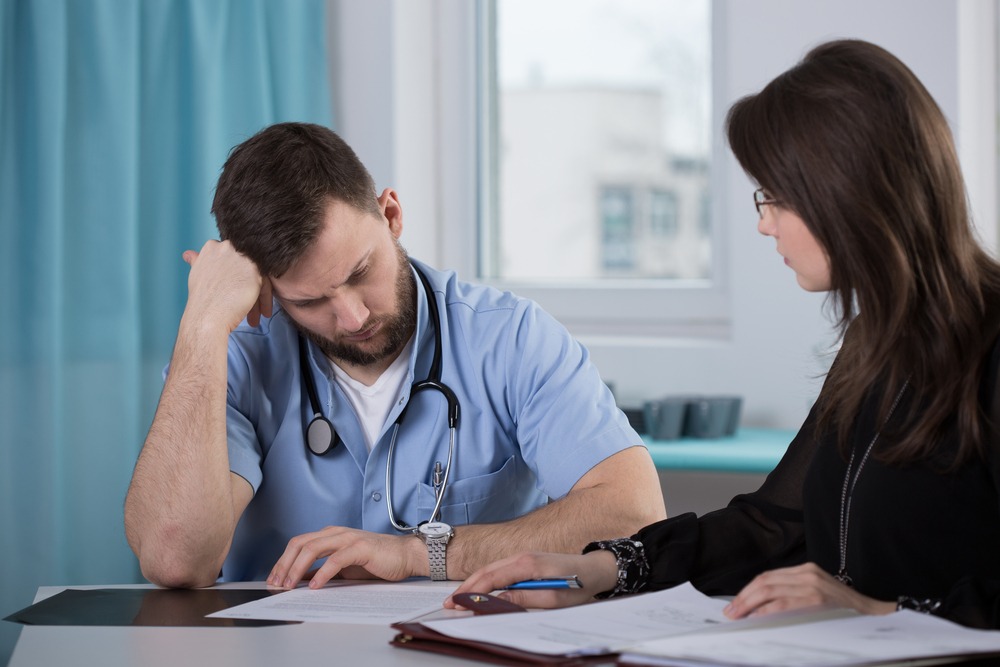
(858, 640)
(375, 603)
(605, 627)
(681, 626)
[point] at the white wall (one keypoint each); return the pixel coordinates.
(400, 63)
(386, 104)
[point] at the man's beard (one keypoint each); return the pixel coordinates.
(395, 328)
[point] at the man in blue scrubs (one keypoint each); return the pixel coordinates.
(311, 257)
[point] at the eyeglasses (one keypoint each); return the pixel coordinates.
(760, 199)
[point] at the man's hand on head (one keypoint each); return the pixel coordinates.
(225, 286)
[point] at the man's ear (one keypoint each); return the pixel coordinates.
(388, 202)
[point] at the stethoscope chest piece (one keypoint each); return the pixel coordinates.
(320, 436)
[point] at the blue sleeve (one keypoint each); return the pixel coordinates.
(565, 415)
(245, 453)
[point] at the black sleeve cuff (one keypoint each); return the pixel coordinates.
(633, 568)
(923, 605)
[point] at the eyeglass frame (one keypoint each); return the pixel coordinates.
(760, 199)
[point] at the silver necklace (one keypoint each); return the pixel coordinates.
(847, 492)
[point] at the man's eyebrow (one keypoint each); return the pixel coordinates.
(357, 267)
(277, 294)
(299, 300)
(305, 299)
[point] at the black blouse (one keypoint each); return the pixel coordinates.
(914, 530)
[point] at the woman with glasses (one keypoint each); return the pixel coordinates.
(889, 496)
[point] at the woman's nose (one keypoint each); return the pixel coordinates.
(765, 225)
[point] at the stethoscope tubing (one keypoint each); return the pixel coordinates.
(321, 437)
(438, 493)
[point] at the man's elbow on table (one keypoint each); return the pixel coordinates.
(166, 564)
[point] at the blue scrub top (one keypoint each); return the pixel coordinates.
(535, 417)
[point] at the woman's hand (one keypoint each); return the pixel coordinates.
(597, 571)
(797, 588)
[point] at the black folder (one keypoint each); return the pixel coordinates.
(142, 606)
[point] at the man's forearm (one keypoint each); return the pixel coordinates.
(179, 512)
(617, 508)
(614, 499)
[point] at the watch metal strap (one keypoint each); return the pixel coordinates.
(436, 558)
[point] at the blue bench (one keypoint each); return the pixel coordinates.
(750, 450)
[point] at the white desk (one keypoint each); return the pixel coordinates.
(277, 645)
(300, 644)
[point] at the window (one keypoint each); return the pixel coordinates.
(596, 121)
(618, 226)
(662, 215)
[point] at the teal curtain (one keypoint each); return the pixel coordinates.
(115, 119)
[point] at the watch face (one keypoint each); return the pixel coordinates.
(435, 529)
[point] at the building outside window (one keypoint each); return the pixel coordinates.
(601, 122)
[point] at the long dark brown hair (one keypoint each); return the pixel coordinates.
(852, 142)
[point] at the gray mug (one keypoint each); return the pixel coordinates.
(712, 416)
(665, 417)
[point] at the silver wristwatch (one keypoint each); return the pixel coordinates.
(436, 536)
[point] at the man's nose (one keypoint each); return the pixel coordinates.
(350, 312)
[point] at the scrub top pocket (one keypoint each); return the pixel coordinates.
(493, 497)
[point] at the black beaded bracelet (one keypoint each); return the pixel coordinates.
(633, 569)
(924, 606)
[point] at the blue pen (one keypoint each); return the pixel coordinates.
(540, 584)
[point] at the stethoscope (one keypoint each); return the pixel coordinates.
(321, 437)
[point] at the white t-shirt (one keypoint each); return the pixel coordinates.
(372, 403)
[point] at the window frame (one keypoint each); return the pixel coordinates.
(617, 308)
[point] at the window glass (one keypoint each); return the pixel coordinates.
(662, 214)
(601, 126)
(618, 225)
